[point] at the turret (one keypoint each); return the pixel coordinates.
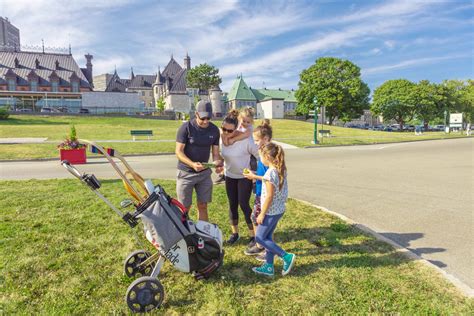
(187, 62)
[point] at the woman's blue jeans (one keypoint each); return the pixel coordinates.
(264, 237)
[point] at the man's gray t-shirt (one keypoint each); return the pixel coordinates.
(198, 142)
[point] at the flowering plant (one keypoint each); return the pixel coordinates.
(71, 141)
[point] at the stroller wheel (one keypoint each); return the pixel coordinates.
(133, 264)
(145, 294)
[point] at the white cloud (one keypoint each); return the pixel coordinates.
(416, 62)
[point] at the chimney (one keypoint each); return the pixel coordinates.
(89, 67)
(187, 62)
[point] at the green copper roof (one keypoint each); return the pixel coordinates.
(240, 91)
(267, 94)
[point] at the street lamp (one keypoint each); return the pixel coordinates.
(445, 114)
(315, 120)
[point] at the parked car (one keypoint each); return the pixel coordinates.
(63, 109)
(388, 129)
(377, 128)
(409, 128)
(47, 110)
(84, 111)
(24, 110)
(395, 127)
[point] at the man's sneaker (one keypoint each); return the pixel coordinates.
(265, 269)
(262, 257)
(252, 242)
(254, 251)
(233, 239)
(220, 179)
(288, 262)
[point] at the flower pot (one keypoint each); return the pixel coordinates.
(74, 156)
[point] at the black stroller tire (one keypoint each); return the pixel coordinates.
(132, 267)
(145, 294)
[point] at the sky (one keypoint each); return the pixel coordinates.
(268, 42)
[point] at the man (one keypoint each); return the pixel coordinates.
(194, 141)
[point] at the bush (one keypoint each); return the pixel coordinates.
(4, 114)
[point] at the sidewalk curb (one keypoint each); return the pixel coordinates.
(98, 157)
(465, 289)
(387, 143)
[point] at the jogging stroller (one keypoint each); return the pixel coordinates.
(192, 247)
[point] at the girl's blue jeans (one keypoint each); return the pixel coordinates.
(264, 237)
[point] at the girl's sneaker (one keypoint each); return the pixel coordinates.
(262, 257)
(265, 269)
(254, 251)
(288, 262)
(233, 239)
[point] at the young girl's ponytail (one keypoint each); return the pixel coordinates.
(264, 129)
(277, 155)
(280, 164)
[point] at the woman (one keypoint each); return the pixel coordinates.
(239, 189)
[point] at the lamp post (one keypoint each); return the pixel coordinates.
(445, 114)
(315, 120)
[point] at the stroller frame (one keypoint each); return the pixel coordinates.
(146, 292)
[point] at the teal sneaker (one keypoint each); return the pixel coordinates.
(288, 262)
(265, 269)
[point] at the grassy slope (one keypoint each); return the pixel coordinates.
(118, 128)
(62, 250)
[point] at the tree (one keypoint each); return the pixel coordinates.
(337, 86)
(203, 77)
(461, 97)
(160, 104)
(427, 100)
(395, 100)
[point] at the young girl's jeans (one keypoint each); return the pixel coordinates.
(264, 237)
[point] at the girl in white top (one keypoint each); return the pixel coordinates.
(245, 128)
(274, 195)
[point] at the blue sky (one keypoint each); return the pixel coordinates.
(269, 42)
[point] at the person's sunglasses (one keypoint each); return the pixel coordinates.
(203, 118)
(225, 130)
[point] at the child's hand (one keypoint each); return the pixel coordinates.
(248, 174)
(231, 141)
(260, 218)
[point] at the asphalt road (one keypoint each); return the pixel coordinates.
(418, 194)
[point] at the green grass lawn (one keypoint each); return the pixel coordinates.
(55, 128)
(62, 252)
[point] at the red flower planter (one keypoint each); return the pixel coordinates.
(74, 156)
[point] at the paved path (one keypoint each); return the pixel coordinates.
(418, 194)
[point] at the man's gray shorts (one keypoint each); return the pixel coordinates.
(187, 181)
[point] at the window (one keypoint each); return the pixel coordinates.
(143, 93)
(54, 86)
(34, 85)
(11, 85)
(75, 86)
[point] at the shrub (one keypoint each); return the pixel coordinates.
(4, 114)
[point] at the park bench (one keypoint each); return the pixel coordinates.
(324, 132)
(147, 133)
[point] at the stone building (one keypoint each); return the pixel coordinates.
(171, 86)
(31, 79)
(142, 84)
(9, 35)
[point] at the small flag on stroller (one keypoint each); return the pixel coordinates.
(95, 150)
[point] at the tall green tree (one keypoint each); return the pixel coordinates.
(203, 77)
(461, 97)
(337, 85)
(395, 100)
(427, 100)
